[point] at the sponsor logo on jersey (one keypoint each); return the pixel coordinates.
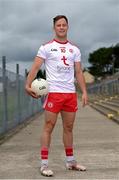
(65, 69)
(64, 59)
(54, 49)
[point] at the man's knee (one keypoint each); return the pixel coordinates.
(68, 128)
(49, 125)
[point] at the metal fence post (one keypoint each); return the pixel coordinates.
(26, 96)
(5, 108)
(18, 93)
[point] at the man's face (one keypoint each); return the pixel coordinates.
(61, 28)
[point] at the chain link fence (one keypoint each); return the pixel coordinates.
(15, 105)
(107, 87)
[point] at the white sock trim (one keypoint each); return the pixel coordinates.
(44, 161)
(69, 158)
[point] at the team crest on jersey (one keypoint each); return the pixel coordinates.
(63, 49)
(71, 50)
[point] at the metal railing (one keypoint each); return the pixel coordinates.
(107, 87)
(15, 105)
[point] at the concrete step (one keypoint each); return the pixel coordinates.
(104, 97)
(115, 104)
(115, 100)
(108, 107)
(105, 111)
(102, 108)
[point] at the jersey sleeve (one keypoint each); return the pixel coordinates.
(41, 52)
(77, 57)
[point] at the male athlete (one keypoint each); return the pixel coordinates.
(62, 61)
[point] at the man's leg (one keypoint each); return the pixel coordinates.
(50, 121)
(68, 119)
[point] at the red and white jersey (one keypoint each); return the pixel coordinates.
(59, 61)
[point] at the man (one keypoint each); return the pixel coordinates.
(62, 60)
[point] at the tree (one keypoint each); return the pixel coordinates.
(104, 61)
(116, 56)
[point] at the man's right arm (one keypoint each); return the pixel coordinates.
(32, 74)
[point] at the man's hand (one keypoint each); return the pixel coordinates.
(84, 99)
(31, 93)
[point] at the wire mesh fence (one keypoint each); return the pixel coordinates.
(107, 87)
(15, 105)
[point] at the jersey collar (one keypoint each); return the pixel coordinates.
(65, 42)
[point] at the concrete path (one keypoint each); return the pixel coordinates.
(96, 141)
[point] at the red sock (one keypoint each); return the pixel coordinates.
(44, 155)
(69, 153)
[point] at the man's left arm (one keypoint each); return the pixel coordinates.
(81, 82)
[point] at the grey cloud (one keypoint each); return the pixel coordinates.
(26, 24)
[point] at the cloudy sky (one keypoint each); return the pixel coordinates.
(26, 24)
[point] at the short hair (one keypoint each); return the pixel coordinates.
(55, 19)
